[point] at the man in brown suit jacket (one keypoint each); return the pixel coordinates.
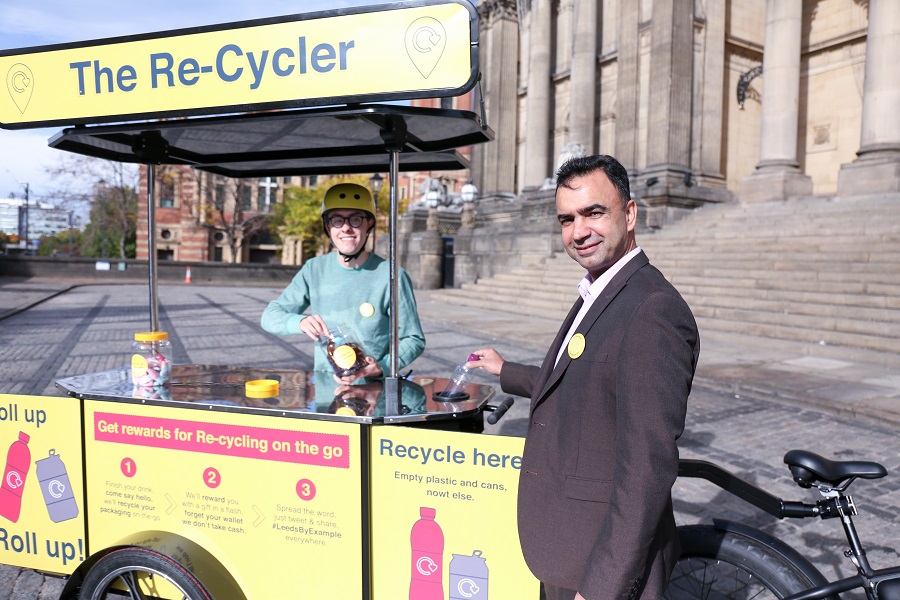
(607, 406)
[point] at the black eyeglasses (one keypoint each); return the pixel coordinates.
(337, 221)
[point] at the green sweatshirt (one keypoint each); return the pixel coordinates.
(359, 298)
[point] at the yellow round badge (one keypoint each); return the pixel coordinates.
(576, 345)
(366, 309)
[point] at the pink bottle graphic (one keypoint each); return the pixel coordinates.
(427, 542)
(18, 460)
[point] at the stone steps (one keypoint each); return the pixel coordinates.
(869, 287)
(824, 271)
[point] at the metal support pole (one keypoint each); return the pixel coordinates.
(392, 392)
(395, 295)
(27, 241)
(151, 246)
(394, 133)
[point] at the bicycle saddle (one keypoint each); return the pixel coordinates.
(808, 469)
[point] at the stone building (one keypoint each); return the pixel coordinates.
(703, 101)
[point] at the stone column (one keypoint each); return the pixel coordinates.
(671, 77)
(463, 266)
(583, 77)
(710, 90)
(537, 103)
(777, 174)
(627, 86)
(431, 251)
(493, 165)
(877, 166)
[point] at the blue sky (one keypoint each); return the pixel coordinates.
(24, 154)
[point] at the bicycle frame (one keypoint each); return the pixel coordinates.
(835, 504)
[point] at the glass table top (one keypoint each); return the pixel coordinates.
(301, 394)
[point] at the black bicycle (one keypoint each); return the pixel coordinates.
(728, 560)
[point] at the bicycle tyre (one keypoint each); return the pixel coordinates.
(128, 572)
(719, 565)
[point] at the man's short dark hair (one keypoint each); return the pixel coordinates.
(579, 166)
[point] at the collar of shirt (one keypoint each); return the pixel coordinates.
(590, 290)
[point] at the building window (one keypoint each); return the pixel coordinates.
(246, 198)
(165, 255)
(217, 254)
(166, 191)
(166, 234)
(267, 193)
(219, 198)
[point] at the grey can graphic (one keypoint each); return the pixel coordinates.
(54, 481)
(468, 577)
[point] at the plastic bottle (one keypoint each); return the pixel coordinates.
(18, 460)
(344, 352)
(427, 543)
(459, 381)
(57, 490)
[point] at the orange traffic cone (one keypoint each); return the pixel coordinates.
(187, 275)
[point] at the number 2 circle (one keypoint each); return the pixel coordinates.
(211, 477)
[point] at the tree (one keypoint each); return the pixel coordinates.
(109, 188)
(66, 242)
(300, 216)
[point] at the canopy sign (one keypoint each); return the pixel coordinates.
(423, 48)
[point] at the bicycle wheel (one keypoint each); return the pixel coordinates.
(139, 573)
(719, 565)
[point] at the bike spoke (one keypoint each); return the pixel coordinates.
(706, 579)
(132, 585)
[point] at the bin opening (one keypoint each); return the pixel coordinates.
(451, 396)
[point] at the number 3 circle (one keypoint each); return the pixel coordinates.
(306, 489)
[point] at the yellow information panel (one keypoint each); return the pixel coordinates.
(444, 516)
(41, 496)
(316, 59)
(277, 501)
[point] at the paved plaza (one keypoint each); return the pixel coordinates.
(753, 399)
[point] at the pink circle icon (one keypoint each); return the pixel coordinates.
(128, 467)
(211, 477)
(306, 489)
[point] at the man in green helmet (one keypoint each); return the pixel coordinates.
(349, 287)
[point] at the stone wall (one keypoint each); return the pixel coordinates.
(508, 232)
(131, 270)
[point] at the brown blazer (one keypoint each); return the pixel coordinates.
(595, 506)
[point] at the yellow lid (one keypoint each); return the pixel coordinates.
(151, 336)
(261, 388)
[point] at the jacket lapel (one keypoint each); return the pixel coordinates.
(550, 375)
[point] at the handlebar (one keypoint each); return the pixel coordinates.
(498, 411)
